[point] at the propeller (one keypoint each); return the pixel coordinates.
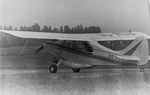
(39, 49)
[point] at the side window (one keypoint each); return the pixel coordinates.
(78, 45)
(84, 46)
(67, 44)
(89, 48)
(74, 44)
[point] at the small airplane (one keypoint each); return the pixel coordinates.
(83, 50)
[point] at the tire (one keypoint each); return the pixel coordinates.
(76, 70)
(141, 69)
(53, 68)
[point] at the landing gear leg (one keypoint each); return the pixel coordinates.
(141, 68)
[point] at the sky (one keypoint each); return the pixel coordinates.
(110, 15)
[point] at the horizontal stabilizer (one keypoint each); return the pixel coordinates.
(149, 58)
(133, 58)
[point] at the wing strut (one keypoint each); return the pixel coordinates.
(51, 50)
(58, 60)
(22, 50)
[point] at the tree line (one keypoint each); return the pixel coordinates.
(62, 29)
(115, 45)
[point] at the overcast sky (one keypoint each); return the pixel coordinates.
(110, 15)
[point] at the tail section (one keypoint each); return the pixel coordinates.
(142, 51)
(128, 49)
(139, 48)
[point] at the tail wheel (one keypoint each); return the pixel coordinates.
(76, 70)
(53, 68)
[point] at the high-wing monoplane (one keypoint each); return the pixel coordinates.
(84, 50)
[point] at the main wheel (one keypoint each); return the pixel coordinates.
(75, 70)
(53, 68)
(141, 69)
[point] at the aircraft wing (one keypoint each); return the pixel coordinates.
(78, 37)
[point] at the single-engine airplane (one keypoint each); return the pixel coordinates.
(83, 50)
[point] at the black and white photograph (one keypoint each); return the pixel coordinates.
(74, 47)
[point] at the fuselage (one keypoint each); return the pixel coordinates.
(80, 54)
